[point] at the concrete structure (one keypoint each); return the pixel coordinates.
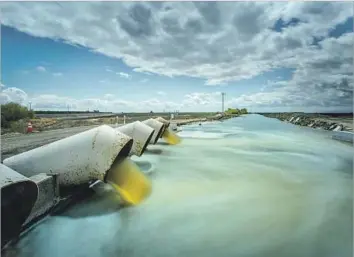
(141, 134)
(18, 196)
(158, 127)
(48, 196)
(77, 159)
(165, 122)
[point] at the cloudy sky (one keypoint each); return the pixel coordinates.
(142, 56)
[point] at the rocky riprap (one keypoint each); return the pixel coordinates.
(307, 121)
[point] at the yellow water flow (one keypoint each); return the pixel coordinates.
(129, 181)
(171, 138)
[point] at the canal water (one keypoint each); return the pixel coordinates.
(246, 187)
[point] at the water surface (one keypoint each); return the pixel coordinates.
(248, 187)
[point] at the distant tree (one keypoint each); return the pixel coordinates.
(233, 111)
(236, 111)
(244, 111)
(11, 112)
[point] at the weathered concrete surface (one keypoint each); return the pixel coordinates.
(48, 195)
(341, 123)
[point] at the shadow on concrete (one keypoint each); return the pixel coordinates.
(162, 143)
(154, 151)
(102, 200)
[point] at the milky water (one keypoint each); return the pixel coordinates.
(250, 186)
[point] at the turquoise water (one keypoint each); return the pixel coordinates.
(247, 187)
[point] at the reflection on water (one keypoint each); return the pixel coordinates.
(245, 187)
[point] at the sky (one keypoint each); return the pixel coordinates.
(166, 56)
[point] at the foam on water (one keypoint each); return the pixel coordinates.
(201, 134)
(268, 189)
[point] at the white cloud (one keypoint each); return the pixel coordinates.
(110, 102)
(323, 80)
(124, 75)
(161, 93)
(121, 74)
(13, 94)
(109, 97)
(220, 42)
(144, 80)
(4, 98)
(53, 102)
(41, 69)
(57, 74)
(202, 100)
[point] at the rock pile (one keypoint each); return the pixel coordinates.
(305, 120)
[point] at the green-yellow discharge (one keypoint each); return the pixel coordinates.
(128, 180)
(171, 137)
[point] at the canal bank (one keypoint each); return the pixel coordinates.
(326, 122)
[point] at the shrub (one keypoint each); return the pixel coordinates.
(18, 126)
(12, 112)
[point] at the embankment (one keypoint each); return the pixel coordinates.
(333, 122)
(41, 124)
(12, 144)
(220, 117)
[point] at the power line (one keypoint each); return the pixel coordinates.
(222, 101)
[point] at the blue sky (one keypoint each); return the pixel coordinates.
(84, 73)
(55, 69)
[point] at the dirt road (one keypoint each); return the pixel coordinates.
(12, 144)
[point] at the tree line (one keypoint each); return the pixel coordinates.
(236, 111)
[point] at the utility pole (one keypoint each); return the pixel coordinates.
(222, 101)
(30, 106)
